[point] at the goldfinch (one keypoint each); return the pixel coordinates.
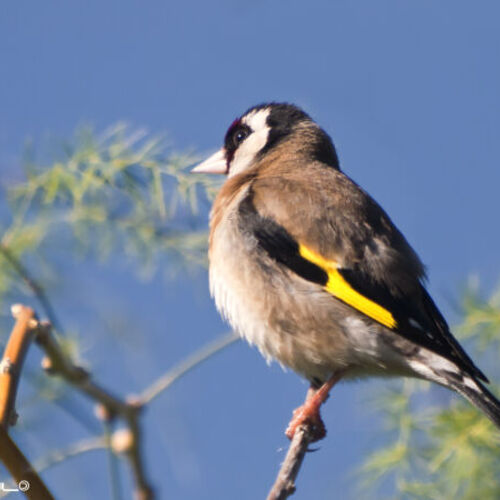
(308, 267)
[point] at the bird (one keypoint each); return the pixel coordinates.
(308, 267)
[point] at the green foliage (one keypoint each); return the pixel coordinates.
(120, 193)
(123, 196)
(435, 453)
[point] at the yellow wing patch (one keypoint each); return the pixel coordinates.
(341, 289)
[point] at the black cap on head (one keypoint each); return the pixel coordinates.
(282, 119)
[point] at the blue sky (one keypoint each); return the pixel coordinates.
(409, 92)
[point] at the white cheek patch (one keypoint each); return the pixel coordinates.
(250, 147)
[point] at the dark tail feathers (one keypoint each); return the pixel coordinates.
(481, 398)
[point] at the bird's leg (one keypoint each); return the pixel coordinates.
(309, 414)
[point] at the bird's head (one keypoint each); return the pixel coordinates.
(263, 128)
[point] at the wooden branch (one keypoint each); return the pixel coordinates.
(57, 362)
(39, 292)
(28, 481)
(284, 485)
(56, 457)
(126, 441)
(110, 406)
(12, 362)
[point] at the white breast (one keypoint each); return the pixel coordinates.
(232, 280)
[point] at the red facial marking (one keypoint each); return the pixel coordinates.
(227, 145)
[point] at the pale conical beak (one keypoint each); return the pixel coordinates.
(215, 164)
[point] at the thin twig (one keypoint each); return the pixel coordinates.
(12, 362)
(284, 485)
(57, 362)
(73, 450)
(166, 380)
(35, 287)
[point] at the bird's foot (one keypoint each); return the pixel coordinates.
(307, 414)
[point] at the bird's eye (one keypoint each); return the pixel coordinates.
(240, 134)
(236, 134)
